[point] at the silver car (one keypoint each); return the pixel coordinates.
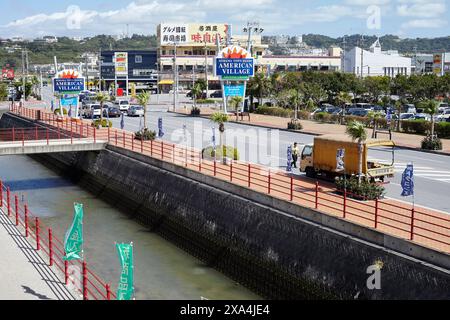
(135, 111)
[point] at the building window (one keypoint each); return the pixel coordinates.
(138, 59)
(142, 72)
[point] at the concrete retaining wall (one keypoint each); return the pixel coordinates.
(279, 250)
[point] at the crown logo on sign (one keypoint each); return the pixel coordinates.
(69, 74)
(235, 54)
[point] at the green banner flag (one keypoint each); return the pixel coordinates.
(73, 241)
(125, 289)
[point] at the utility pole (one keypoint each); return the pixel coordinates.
(23, 78)
(362, 56)
(343, 63)
(206, 70)
(175, 78)
(86, 70)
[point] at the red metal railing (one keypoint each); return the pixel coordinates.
(424, 226)
(91, 286)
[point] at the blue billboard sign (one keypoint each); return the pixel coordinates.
(236, 90)
(62, 85)
(67, 102)
(235, 68)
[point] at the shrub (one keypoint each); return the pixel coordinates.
(275, 111)
(322, 117)
(304, 115)
(365, 191)
(416, 126)
(103, 123)
(205, 101)
(348, 119)
(208, 153)
(443, 129)
(58, 112)
(295, 125)
(430, 143)
(195, 111)
(334, 118)
(145, 135)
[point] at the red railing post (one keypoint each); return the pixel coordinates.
(317, 194)
(200, 162)
(38, 244)
(215, 167)
(231, 170)
(95, 135)
(173, 153)
(50, 247)
(66, 272)
(47, 135)
(59, 132)
(13, 134)
(23, 137)
(36, 133)
(344, 209)
(292, 188)
(269, 182)
(16, 203)
(376, 213)
(142, 145)
(151, 148)
(1, 193)
(162, 150)
(108, 292)
(85, 282)
(249, 169)
(8, 201)
(116, 137)
(26, 220)
(123, 139)
(71, 132)
(132, 142)
(109, 132)
(412, 223)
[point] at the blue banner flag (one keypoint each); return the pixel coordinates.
(408, 181)
(160, 128)
(53, 106)
(389, 116)
(122, 122)
(289, 159)
(70, 112)
(73, 241)
(340, 160)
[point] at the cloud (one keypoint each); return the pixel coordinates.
(367, 2)
(421, 10)
(424, 23)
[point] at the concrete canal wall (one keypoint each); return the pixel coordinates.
(279, 250)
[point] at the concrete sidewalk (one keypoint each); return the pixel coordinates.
(412, 141)
(24, 275)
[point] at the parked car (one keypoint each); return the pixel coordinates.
(365, 106)
(358, 112)
(123, 105)
(112, 112)
(443, 107)
(409, 108)
(216, 94)
(135, 111)
(444, 115)
(407, 116)
(422, 116)
(92, 111)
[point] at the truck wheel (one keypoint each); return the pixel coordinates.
(310, 172)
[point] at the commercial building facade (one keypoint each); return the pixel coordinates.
(375, 62)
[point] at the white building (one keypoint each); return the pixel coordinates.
(375, 62)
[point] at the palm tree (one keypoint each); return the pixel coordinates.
(235, 102)
(356, 131)
(374, 118)
(144, 99)
(196, 91)
(220, 119)
(259, 86)
(101, 98)
(295, 98)
(430, 107)
(341, 100)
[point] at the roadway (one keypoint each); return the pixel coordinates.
(268, 147)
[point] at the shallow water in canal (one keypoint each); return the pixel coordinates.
(162, 271)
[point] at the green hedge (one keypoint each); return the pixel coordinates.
(275, 111)
(365, 191)
(99, 123)
(208, 153)
(415, 126)
(58, 112)
(205, 101)
(443, 129)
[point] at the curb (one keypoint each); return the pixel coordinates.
(442, 153)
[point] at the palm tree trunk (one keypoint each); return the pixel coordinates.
(432, 126)
(360, 151)
(101, 113)
(145, 117)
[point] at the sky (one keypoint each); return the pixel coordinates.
(79, 18)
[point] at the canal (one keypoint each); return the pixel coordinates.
(162, 271)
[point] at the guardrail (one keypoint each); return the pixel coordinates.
(423, 226)
(90, 286)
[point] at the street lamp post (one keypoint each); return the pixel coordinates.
(175, 78)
